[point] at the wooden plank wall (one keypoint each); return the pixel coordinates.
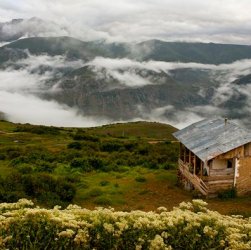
(243, 179)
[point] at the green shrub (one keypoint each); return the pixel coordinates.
(43, 166)
(169, 166)
(227, 194)
(104, 183)
(96, 163)
(73, 178)
(3, 156)
(140, 179)
(111, 146)
(37, 186)
(24, 168)
(82, 136)
(95, 192)
(76, 145)
(39, 130)
(103, 201)
(82, 164)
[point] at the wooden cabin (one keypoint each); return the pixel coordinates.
(215, 155)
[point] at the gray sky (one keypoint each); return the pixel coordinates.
(223, 21)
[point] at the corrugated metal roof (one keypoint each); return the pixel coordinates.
(212, 137)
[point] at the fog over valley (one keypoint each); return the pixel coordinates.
(65, 67)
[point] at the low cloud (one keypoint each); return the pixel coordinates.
(169, 115)
(21, 87)
(158, 66)
(20, 91)
(22, 108)
(33, 62)
(126, 71)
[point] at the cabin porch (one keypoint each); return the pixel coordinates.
(209, 178)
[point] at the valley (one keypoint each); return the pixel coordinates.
(123, 82)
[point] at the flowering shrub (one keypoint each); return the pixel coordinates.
(190, 226)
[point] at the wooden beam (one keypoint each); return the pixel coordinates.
(194, 164)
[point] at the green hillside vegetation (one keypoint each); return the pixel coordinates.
(95, 166)
(128, 166)
(144, 130)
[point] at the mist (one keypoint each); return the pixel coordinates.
(21, 89)
(24, 83)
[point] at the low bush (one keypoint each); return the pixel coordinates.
(82, 164)
(104, 183)
(39, 130)
(103, 201)
(140, 179)
(76, 145)
(190, 226)
(16, 186)
(95, 192)
(227, 194)
(85, 137)
(111, 146)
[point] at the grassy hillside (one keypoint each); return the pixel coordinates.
(108, 165)
(143, 130)
(128, 166)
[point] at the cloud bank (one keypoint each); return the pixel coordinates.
(225, 21)
(21, 89)
(23, 85)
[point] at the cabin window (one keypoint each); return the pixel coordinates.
(229, 163)
(246, 149)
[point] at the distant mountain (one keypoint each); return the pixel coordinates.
(13, 55)
(17, 28)
(73, 48)
(206, 53)
(99, 93)
(244, 80)
(8, 32)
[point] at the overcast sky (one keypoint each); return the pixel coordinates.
(224, 21)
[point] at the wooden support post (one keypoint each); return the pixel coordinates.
(201, 169)
(180, 153)
(185, 155)
(190, 159)
(194, 164)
